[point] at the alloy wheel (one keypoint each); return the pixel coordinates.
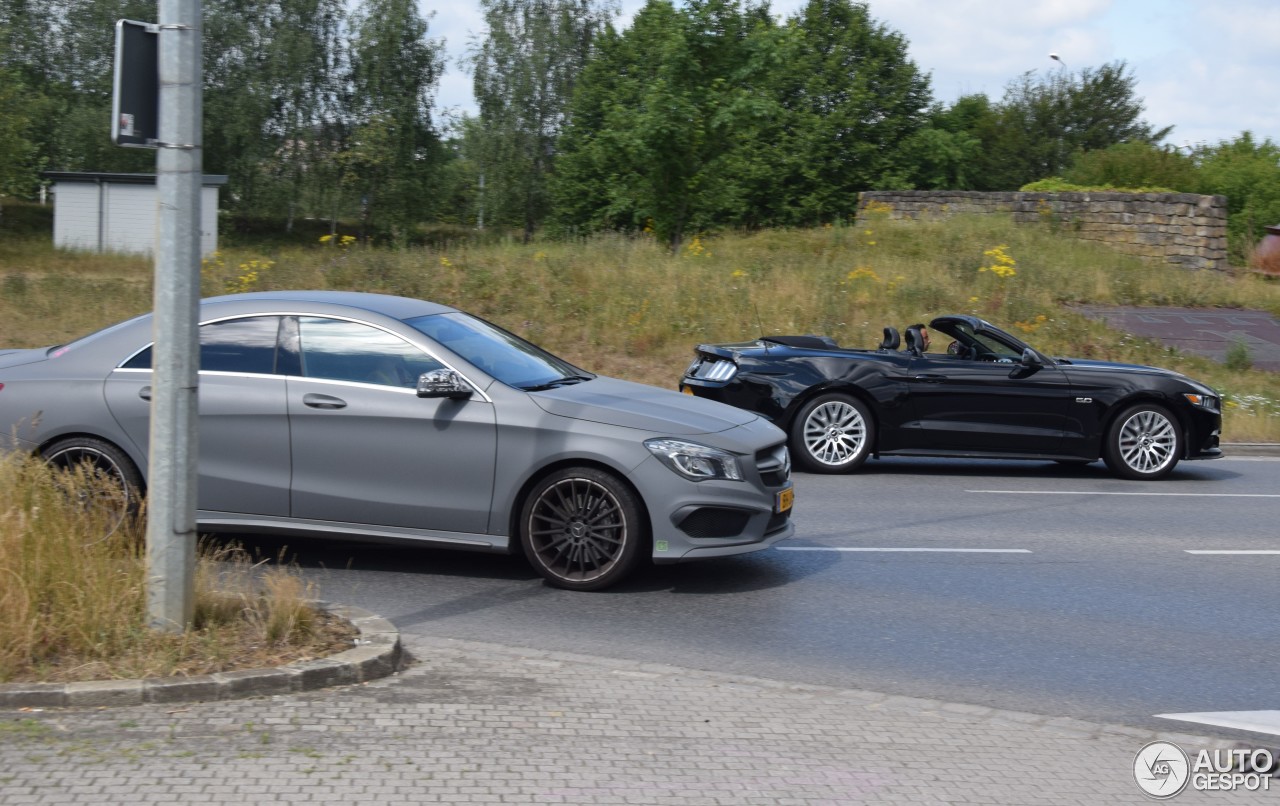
(577, 531)
(835, 433)
(1148, 441)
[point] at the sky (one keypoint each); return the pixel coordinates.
(1209, 69)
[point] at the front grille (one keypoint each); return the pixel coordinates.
(710, 368)
(774, 465)
(715, 522)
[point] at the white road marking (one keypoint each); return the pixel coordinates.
(1084, 492)
(1226, 551)
(1255, 721)
(952, 551)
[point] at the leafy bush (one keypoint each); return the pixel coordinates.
(1150, 168)
(1248, 174)
(1056, 184)
(1238, 357)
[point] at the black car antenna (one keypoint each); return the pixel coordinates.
(760, 324)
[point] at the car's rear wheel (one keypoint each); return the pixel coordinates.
(1143, 443)
(582, 529)
(832, 434)
(117, 486)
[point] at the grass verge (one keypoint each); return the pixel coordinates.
(73, 593)
(629, 307)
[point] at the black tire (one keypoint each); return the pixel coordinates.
(107, 460)
(1144, 443)
(833, 433)
(583, 529)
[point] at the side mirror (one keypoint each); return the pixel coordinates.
(1030, 359)
(443, 383)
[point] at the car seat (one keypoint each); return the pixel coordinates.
(891, 339)
(915, 343)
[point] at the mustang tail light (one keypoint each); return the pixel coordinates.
(710, 368)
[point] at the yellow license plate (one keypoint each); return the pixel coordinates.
(785, 499)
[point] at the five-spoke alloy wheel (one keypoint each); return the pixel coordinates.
(832, 434)
(582, 528)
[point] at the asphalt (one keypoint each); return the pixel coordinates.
(461, 722)
(1209, 332)
(406, 720)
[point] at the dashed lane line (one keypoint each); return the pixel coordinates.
(1230, 551)
(861, 548)
(1097, 492)
(1254, 721)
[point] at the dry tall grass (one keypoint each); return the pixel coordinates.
(73, 593)
(631, 308)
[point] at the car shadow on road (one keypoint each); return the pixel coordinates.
(1030, 468)
(508, 575)
(743, 573)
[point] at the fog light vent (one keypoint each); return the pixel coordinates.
(715, 522)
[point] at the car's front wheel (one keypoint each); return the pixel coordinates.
(1143, 443)
(832, 434)
(582, 529)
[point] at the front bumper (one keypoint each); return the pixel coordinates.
(711, 518)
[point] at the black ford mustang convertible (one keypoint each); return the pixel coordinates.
(987, 395)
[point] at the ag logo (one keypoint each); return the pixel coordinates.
(1161, 769)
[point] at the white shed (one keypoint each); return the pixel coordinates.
(104, 212)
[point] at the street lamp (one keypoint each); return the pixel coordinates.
(1057, 59)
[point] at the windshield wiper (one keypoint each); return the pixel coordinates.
(567, 380)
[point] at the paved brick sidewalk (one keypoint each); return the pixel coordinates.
(476, 723)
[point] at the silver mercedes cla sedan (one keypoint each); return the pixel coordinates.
(373, 417)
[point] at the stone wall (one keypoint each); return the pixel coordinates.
(1181, 229)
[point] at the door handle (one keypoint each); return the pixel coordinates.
(145, 393)
(930, 378)
(323, 402)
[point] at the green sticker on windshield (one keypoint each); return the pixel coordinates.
(661, 545)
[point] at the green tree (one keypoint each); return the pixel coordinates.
(852, 99)
(944, 154)
(525, 71)
(62, 52)
(664, 120)
(17, 152)
(273, 87)
(1043, 121)
(1247, 172)
(395, 155)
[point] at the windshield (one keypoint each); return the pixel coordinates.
(988, 344)
(503, 355)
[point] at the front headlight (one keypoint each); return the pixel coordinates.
(695, 462)
(1208, 402)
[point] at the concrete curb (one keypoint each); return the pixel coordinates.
(377, 654)
(1230, 449)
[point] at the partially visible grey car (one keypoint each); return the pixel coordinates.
(366, 416)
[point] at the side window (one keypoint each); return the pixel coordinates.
(337, 350)
(240, 345)
(232, 345)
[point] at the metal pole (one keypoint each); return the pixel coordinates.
(171, 496)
